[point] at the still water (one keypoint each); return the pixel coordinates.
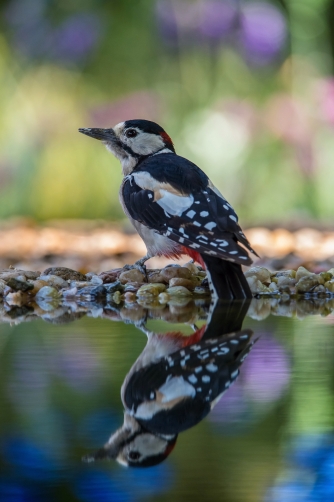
(268, 438)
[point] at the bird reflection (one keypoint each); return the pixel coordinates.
(175, 382)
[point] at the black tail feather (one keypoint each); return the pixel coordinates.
(226, 279)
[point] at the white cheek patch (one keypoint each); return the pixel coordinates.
(174, 204)
(145, 143)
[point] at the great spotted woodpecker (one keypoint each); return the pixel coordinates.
(175, 207)
(175, 382)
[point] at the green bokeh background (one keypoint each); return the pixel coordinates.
(263, 132)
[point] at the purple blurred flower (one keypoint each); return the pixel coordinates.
(218, 18)
(258, 28)
(34, 36)
(263, 378)
(77, 36)
(262, 32)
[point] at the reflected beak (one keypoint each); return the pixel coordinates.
(100, 134)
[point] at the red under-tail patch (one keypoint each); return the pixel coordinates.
(168, 141)
(187, 340)
(194, 255)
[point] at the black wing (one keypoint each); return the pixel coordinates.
(176, 199)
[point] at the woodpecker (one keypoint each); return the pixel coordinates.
(175, 382)
(175, 207)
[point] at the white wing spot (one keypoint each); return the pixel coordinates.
(205, 378)
(225, 207)
(213, 244)
(204, 214)
(181, 240)
(150, 196)
(192, 379)
(211, 367)
(233, 252)
(234, 374)
(197, 202)
(197, 224)
(194, 246)
(232, 217)
(191, 214)
(198, 369)
(222, 242)
(210, 225)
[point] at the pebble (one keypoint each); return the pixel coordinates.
(48, 292)
(54, 280)
(306, 283)
(93, 292)
(2, 287)
(38, 284)
(178, 291)
(19, 285)
(113, 287)
(152, 289)
(192, 267)
(187, 283)
(302, 272)
(256, 286)
(130, 297)
(132, 275)
(170, 272)
(65, 273)
(261, 273)
(163, 297)
(156, 277)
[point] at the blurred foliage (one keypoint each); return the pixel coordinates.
(242, 86)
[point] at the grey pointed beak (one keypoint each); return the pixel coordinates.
(100, 134)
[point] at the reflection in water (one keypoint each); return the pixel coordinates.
(175, 383)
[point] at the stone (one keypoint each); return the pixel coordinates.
(326, 276)
(132, 275)
(153, 289)
(284, 273)
(117, 297)
(132, 286)
(156, 277)
(38, 284)
(302, 272)
(187, 283)
(261, 273)
(178, 291)
(6, 274)
(285, 280)
(110, 275)
(192, 267)
(273, 287)
(306, 283)
(256, 286)
(93, 292)
(17, 298)
(163, 297)
(130, 297)
(65, 273)
(329, 285)
(2, 287)
(200, 290)
(18, 285)
(111, 288)
(170, 272)
(54, 281)
(94, 279)
(48, 292)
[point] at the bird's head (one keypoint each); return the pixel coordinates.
(133, 140)
(134, 446)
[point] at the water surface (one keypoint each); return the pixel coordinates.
(270, 437)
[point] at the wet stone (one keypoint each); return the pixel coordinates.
(18, 285)
(93, 292)
(48, 292)
(54, 281)
(153, 289)
(132, 275)
(171, 272)
(65, 273)
(178, 291)
(113, 287)
(306, 283)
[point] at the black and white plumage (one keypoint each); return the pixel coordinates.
(175, 207)
(175, 382)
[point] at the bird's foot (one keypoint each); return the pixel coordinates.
(139, 265)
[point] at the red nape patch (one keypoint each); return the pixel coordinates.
(167, 140)
(194, 255)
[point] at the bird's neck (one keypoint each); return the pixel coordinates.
(130, 163)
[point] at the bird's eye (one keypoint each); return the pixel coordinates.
(131, 133)
(134, 455)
